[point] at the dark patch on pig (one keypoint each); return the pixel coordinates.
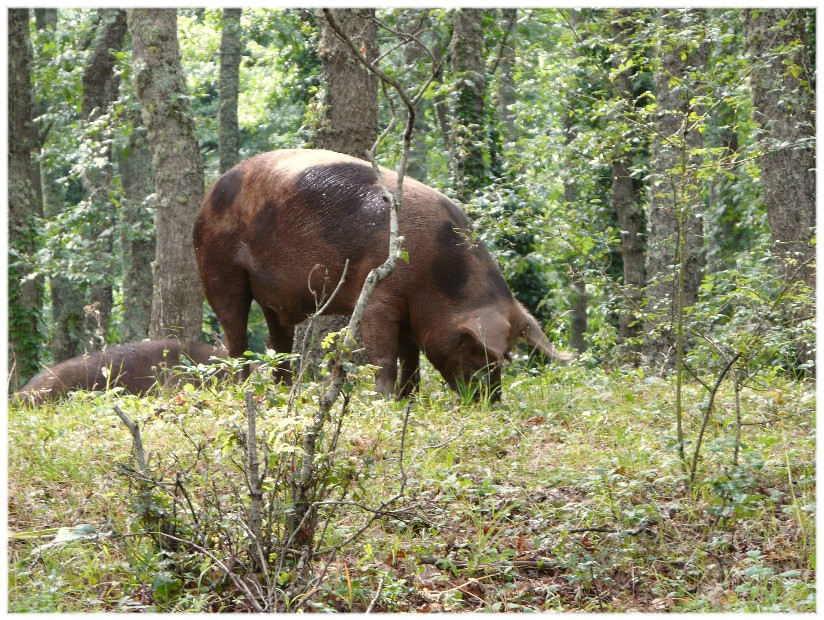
(264, 224)
(450, 269)
(352, 213)
(226, 190)
(498, 284)
(496, 289)
(457, 216)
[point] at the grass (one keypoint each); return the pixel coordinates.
(569, 496)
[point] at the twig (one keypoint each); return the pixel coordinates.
(605, 530)
(239, 584)
(137, 442)
(335, 292)
(253, 476)
(708, 413)
(377, 596)
(644, 527)
(545, 565)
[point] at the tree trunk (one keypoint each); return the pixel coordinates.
(784, 100)
(417, 164)
(45, 18)
(177, 297)
(351, 126)
(25, 291)
(67, 298)
(230, 50)
(726, 236)
(580, 298)
(439, 101)
(507, 92)
(675, 209)
(100, 88)
(351, 94)
(138, 235)
(626, 200)
(468, 115)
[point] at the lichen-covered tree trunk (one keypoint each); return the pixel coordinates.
(177, 297)
(468, 134)
(675, 197)
(100, 88)
(350, 126)
(137, 237)
(626, 201)
(228, 130)
(351, 92)
(25, 291)
(784, 99)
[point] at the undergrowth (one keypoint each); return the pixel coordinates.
(568, 496)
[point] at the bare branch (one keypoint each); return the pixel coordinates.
(237, 581)
(134, 429)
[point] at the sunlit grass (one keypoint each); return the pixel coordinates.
(574, 472)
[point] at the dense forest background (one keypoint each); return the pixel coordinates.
(607, 157)
(645, 180)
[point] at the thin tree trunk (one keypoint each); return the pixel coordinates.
(441, 107)
(100, 88)
(675, 210)
(507, 92)
(138, 235)
(498, 113)
(67, 298)
(725, 235)
(228, 130)
(784, 99)
(417, 164)
(580, 299)
(177, 297)
(45, 18)
(25, 292)
(351, 127)
(469, 119)
(626, 200)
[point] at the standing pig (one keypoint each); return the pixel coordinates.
(136, 367)
(279, 227)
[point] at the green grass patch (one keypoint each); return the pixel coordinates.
(568, 496)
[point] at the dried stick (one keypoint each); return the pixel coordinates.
(253, 475)
(137, 442)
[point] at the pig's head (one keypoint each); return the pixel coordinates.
(473, 346)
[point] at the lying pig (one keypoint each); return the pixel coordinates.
(279, 227)
(136, 367)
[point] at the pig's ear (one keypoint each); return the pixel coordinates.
(529, 329)
(490, 329)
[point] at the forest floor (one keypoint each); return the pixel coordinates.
(568, 496)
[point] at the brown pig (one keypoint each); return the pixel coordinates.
(279, 227)
(136, 367)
